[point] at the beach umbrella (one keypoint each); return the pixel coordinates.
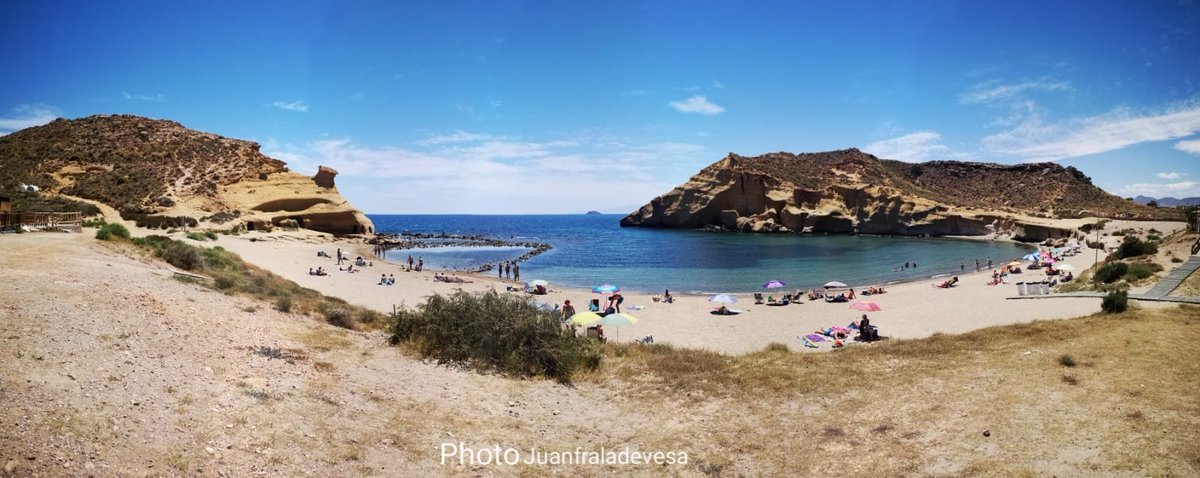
(1065, 267)
(1048, 260)
(606, 289)
(1014, 263)
(585, 318)
(1033, 256)
(723, 299)
(835, 284)
(618, 319)
(774, 284)
(865, 306)
(535, 283)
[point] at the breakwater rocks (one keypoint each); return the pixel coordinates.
(417, 240)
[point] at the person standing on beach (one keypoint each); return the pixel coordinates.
(989, 262)
(339, 256)
(410, 262)
(500, 270)
(962, 266)
(420, 264)
(517, 272)
(567, 309)
(976, 265)
(507, 269)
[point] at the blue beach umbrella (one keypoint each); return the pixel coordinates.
(723, 299)
(1032, 256)
(606, 289)
(774, 284)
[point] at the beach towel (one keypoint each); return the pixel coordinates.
(815, 337)
(636, 307)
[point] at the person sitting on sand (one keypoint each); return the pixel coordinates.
(311, 272)
(382, 279)
(866, 331)
(321, 271)
(667, 297)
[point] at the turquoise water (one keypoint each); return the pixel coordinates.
(593, 249)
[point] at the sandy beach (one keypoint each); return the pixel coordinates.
(909, 310)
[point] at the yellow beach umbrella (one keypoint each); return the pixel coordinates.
(618, 319)
(585, 318)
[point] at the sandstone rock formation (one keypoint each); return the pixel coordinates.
(143, 166)
(852, 192)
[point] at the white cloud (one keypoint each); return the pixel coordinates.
(1035, 140)
(458, 136)
(912, 147)
(297, 105)
(1180, 189)
(26, 116)
(1190, 146)
(697, 104)
(158, 97)
(991, 91)
(718, 85)
(1170, 176)
(481, 174)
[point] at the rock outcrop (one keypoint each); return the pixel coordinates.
(142, 166)
(851, 192)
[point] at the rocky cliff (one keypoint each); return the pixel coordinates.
(849, 191)
(146, 167)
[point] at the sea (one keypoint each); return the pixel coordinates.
(590, 250)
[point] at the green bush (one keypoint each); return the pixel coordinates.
(340, 317)
(212, 236)
(1110, 272)
(183, 256)
(1131, 246)
(283, 304)
(1115, 302)
(493, 331)
(196, 236)
(1066, 360)
(1141, 270)
(108, 231)
(94, 223)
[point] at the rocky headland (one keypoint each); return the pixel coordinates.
(160, 173)
(852, 192)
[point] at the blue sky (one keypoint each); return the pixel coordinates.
(546, 107)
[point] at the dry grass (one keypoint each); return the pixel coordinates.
(921, 406)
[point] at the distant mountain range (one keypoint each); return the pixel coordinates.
(1168, 201)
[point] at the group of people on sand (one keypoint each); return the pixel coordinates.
(418, 266)
(455, 279)
(948, 283)
(508, 270)
(319, 271)
(387, 279)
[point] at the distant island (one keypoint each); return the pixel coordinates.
(592, 213)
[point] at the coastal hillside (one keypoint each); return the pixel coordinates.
(158, 168)
(849, 191)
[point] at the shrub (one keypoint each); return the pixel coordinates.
(1115, 302)
(1132, 247)
(1110, 272)
(493, 331)
(1176, 260)
(212, 236)
(196, 236)
(1141, 270)
(109, 230)
(283, 304)
(1066, 360)
(183, 256)
(1095, 245)
(223, 283)
(778, 347)
(341, 318)
(94, 223)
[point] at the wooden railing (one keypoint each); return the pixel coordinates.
(71, 221)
